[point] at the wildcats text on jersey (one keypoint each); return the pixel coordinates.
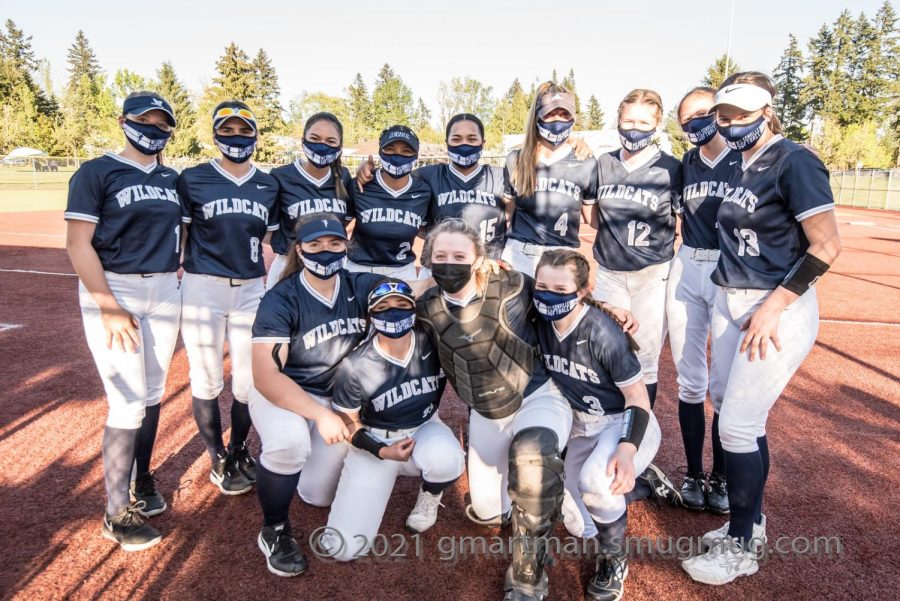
(638, 195)
(466, 197)
(552, 184)
(317, 205)
(706, 189)
(406, 390)
(565, 366)
(385, 215)
(141, 192)
(226, 206)
(742, 197)
(337, 327)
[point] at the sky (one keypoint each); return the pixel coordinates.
(320, 46)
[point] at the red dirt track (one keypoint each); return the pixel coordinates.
(833, 438)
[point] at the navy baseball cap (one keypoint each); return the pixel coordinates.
(233, 108)
(389, 288)
(401, 133)
(143, 102)
(321, 227)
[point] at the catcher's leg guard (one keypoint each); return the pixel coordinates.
(536, 487)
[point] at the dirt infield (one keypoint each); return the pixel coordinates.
(833, 439)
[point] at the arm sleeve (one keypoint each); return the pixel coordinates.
(86, 193)
(508, 189)
(676, 188)
(274, 222)
(804, 185)
(181, 186)
(610, 348)
(275, 322)
(589, 196)
(348, 392)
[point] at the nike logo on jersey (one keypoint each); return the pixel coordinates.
(415, 195)
(466, 197)
(317, 205)
(258, 187)
(763, 168)
(642, 197)
(471, 337)
(416, 387)
(425, 356)
(385, 215)
(350, 299)
(561, 365)
(580, 342)
(165, 174)
(141, 192)
(226, 206)
(732, 162)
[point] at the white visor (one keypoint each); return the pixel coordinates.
(744, 96)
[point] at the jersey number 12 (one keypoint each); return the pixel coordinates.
(638, 232)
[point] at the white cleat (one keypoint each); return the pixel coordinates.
(723, 563)
(424, 514)
(719, 535)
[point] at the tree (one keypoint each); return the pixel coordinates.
(421, 117)
(361, 121)
(392, 100)
(788, 77)
(553, 76)
(818, 71)
(717, 72)
(235, 75)
(265, 100)
(184, 141)
(83, 63)
(125, 82)
(464, 95)
(680, 143)
(569, 82)
(18, 66)
(594, 114)
(509, 115)
(310, 103)
(888, 66)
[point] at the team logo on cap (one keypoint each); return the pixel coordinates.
(156, 101)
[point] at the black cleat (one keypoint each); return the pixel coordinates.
(245, 462)
(661, 488)
(693, 492)
(283, 554)
(228, 478)
(129, 529)
(717, 497)
(608, 581)
(143, 490)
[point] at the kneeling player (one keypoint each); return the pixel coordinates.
(388, 390)
(614, 433)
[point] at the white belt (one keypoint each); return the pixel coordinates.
(233, 282)
(137, 276)
(702, 254)
(389, 434)
(592, 418)
(532, 250)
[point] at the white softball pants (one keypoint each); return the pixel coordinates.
(524, 257)
(407, 273)
(133, 381)
(752, 387)
(642, 292)
(275, 270)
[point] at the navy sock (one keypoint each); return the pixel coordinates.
(240, 423)
(209, 422)
(651, 392)
(745, 485)
(146, 437)
(693, 430)
(763, 443)
(718, 466)
(118, 459)
(611, 536)
(275, 492)
(437, 487)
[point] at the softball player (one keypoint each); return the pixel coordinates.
(388, 390)
(229, 207)
(639, 187)
(546, 185)
(614, 433)
(317, 185)
(777, 236)
(124, 240)
(463, 188)
(690, 295)
(390, 211)
(481, 324)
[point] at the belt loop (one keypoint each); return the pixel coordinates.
(232, 284)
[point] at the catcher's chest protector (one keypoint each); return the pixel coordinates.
(487, 363)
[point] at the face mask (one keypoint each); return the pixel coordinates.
(394, 322)
(464, 155)
(451, 277)
(700, 130)
(743, 136)
(324, 264)
(554, 305)
(397, 165)
(236, 149)
(635, 139)
(321, 155)
(147, 138)
(555, 132)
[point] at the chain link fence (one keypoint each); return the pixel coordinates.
(867, 188)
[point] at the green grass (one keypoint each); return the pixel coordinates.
(853, 191)
(16, 201)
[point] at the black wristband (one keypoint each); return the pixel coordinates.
(365, 441)
(634, 425)
(804, 274)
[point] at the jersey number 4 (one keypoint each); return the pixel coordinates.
(562, 225)
(638, 232)
(747, 242)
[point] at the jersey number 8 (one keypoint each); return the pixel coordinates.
(254, 249)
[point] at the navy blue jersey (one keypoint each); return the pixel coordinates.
(705, 185)
(320, 332)
(637, 211)
(388, 221)
(590, 361)
(389, 393)
(301, 194)
(521, 317)
(476, 198)
(551, 216)
(760, 236)
(228, 219)
(137, 212)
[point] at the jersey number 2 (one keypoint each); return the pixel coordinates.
(404, 248)
(638, 232)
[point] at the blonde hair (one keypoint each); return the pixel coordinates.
(642, 96)
(760, 80)
(456, 226)
(524, 174)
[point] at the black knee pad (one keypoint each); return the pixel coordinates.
(536, 474)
